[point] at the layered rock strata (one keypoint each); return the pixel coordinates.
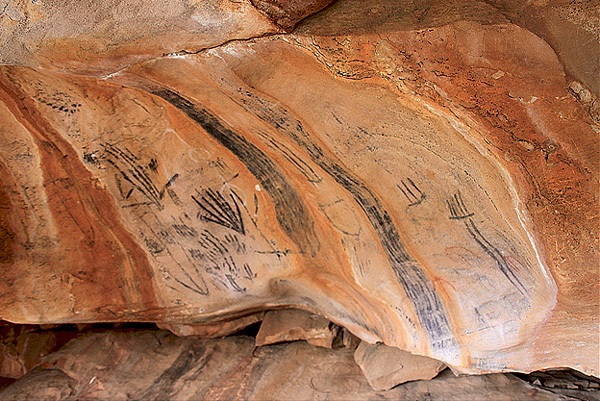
(423, 179)
(152, 365)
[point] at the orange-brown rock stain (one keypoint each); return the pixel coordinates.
(7, 234)
(532, 123)
(103, 265)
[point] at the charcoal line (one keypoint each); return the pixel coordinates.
(218, 210)
(250, 275)
(289, 208)
(300, 164)
(234, 284)
(184, 230)
(216, 242)
(428, 306)
(134, 174)
(457, 208)
(192, 284)
(458, 211)
(495, 254)
(407, 189)
(135, 170)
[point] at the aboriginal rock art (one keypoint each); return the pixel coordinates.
(430, 187)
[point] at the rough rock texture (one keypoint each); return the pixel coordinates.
(217, 329)
(21, 348)
(571, 27)
(568, 383)
(101, 37)
(293, 325)
(287, 13)
(348, 339)
(386, 367)
(419, 175)
(159, 366)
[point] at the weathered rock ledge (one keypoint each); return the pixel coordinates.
(425, 176)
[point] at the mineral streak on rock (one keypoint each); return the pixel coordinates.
(423, 178)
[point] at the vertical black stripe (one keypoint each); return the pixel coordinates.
(429, 308)
(289, 208)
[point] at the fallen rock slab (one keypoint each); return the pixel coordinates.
(294, 324)
(217, 329)
(386, 367)
(156, 365)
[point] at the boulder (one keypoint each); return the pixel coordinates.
(154, 365)
(386, 367)
(293, 325)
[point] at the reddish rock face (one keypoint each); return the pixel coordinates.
(423, 178)
(570, 27)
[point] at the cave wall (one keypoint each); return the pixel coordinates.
(424, 174)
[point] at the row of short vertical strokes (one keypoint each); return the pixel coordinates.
(294, 219)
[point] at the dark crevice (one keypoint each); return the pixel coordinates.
(248, 331)
(566, 382)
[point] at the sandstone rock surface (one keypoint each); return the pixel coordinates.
(103, 37)
(386, 367)
(572, 28)
(292, 325)
(213, 330)
(420, 176)
(158, 366)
